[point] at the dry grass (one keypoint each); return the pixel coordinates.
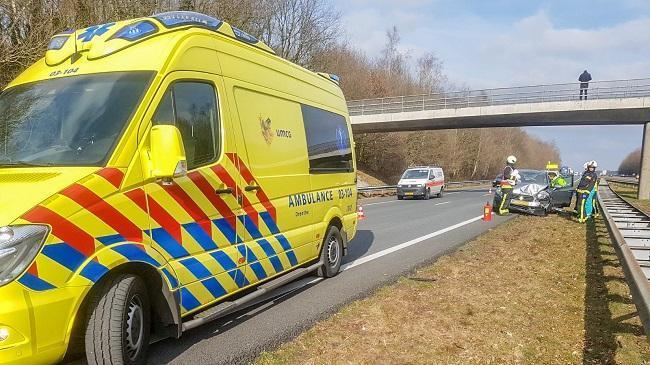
(532, 291)
(629, 193)
(371, 180)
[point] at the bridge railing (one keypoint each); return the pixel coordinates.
(616, 89)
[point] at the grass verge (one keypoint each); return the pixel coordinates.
(532, 291)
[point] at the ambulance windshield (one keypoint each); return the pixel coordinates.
(70, 121)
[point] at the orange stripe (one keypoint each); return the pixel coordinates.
(188, 204)
(156, 212)
(219, 204)
(248, 176)
(104, 211)
(63, 229)
(33, 269)
(112, 175)
(228, 180)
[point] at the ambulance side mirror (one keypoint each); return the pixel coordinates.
(167, 152)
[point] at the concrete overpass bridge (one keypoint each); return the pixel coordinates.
(619, 102)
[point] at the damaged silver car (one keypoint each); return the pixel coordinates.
(533, 194)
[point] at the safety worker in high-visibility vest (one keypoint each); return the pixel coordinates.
(507, 184)
(557, 181)
(585, 192)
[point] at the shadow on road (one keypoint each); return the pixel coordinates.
(601, 327)
(360, 245)
(168, 350)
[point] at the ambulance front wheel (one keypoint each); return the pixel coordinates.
(118, 326)
(332, 253)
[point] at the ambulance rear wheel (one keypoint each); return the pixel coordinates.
(440, 193)
(331, 254)
(118, 326)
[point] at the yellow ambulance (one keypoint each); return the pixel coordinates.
(159, 173)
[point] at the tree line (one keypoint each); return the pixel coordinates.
(631, 164)
(307, 32)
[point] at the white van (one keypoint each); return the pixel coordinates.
(421, 182)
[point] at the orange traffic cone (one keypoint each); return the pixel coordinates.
(360, 213)
(487, 212)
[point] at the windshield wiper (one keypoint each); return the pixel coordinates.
(24, 164)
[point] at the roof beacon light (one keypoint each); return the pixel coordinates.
(243, 36)
(173, 19)
(56, 43)
(135, 31)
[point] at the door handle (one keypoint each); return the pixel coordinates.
(252, 187)
(224, 191)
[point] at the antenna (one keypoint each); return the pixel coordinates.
(74, 39)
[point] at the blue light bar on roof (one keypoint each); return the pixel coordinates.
(173, 19)
(243, 36)
(135, 31)
(56, 43)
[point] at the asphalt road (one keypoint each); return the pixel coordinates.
(396, 237)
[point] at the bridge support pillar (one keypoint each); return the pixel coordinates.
(644, 179)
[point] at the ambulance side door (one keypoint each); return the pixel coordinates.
(194, 217)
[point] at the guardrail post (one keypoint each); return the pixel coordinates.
(402, 104)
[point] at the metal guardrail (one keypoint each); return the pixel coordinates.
(392, 188)
(616, 89)
(623, 180)
(630, 230)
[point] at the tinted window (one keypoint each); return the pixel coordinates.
(68, 121)
(192, 108)
(328, 141)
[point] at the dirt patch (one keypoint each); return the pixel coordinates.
(532, 291)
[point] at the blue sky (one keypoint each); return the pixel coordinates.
(500, 43)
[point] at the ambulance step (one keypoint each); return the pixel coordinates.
(225, 308)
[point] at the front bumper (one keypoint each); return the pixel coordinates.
(38, 323)
(528, 205)
(410, 191)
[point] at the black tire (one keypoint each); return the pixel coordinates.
(331, 253)
(440, 193)
(427, 194)
(117, 311)
(399, 197)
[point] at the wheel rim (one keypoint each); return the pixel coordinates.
(332, 251)
(134, 328)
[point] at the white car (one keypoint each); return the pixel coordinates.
(421, 182)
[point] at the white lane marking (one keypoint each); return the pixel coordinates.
(369, 204)
(455, 192)
(442, 203)
(404, 245)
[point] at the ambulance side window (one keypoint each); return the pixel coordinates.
(328, 141)
(192, 108)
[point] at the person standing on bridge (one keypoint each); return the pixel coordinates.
(585, 192)
(507, 184)
(584, 79)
